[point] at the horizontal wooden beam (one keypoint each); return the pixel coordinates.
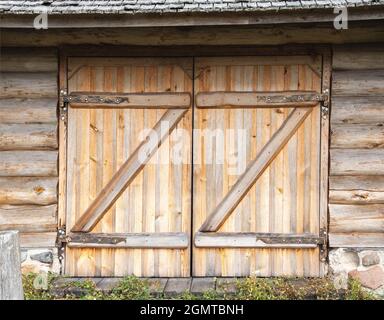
(256, 240)
(128, 100)
(156, 240)
(369, 31)
(238, 99)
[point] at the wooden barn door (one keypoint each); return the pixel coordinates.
(128, 204)
(256, 173)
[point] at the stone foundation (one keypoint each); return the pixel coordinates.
(365, 265)
(39, 260)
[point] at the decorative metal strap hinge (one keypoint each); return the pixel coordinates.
(63, 107)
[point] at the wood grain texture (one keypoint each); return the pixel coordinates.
(30, 240)
(358, 57)
(28, 136)
(11, 287)
(356, 240)
(39, 110)
(358, 82)
(285, 198)
(357, 136)
(245, 35)
(24, 190)
(28, 218)
(28, 60)
(28, 163)
(357, 110)
(28, 85)
(357, 162)
(101, 140)
(356, 218)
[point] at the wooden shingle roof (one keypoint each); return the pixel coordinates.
(169, 6)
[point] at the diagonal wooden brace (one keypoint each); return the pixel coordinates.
(255, 169)
(127, 172)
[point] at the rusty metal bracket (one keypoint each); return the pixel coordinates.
(63, 107)
(60, 244)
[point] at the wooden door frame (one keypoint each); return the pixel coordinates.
(191, 51)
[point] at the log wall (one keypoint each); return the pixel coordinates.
(356, 193)
(29, 145)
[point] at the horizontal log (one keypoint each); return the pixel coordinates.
(28, 136)
(368, 183)
(352, 57)
(286, 99)
(21, 190)
(357, 162)
(28, 110)
(355, 196)
(28, 163)
(31, 60)
(160, 240)
(28, 85)
(355, 136)
(38, 240)
(356, 240)
(228, 35)
(255, 240)
(28, 218)
(356, 218)
(359, 110)
(131, 100)
(358, 82)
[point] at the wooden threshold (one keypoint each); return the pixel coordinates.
(256, 240)
(156, 240)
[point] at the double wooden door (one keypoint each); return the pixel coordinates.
(205, 167)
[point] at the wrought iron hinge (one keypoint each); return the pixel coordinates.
(325, 104)
(60, 242)
(63, 105)
(323, 245)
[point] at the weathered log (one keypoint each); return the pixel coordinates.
(355, 196)
(31, 60)
(356, 240)
(28, 163)
(358, 57)
(26, 190)
(228, 35)
(28, 218)
(28, 110)
(357, 162)
(356, 218)
(356, 136)
(11, 287)
(28, 136)
(357, 110)
(28, 85)
(368, 183)
(38, 240)
(358, 82)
